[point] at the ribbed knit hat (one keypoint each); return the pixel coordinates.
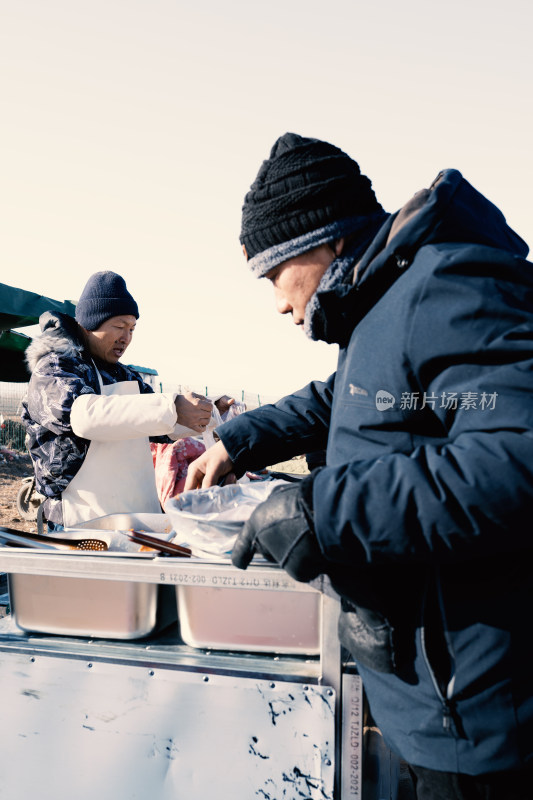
(105, 295)
(307, 193)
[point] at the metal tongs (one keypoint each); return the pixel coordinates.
(169, 548)
(24, 539)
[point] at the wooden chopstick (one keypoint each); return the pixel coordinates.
(139, 537)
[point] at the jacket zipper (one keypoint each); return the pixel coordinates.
(448, 721)
(447, 714)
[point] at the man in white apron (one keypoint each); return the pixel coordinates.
(89, 418)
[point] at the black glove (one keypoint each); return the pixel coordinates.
(368, 636)
(281, 530)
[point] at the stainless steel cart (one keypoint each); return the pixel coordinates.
(84, 718)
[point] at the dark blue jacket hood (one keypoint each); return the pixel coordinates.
(451, 210)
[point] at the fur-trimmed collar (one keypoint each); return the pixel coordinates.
(59, 335)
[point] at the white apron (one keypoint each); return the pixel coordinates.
(115, 477)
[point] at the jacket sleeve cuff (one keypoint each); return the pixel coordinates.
(306, 496)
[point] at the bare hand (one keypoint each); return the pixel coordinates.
(223, 403)
(194, 411)
(209, 468)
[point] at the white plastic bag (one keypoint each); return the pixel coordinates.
(217, 419)
(209, 520)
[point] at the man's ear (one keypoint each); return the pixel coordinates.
(338, 247)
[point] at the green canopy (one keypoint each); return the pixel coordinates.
(18, 309)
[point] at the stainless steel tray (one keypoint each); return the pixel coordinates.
(222, 618)
(71, 605)
(79, 607)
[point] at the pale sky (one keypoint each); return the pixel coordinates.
(131, 131)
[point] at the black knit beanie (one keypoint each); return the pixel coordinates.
(301, 194)
(105, 295)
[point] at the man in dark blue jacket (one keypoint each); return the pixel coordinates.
(421, 515)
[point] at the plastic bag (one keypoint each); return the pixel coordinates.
(217, 419)
(209, 520)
